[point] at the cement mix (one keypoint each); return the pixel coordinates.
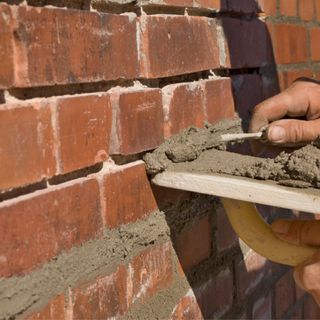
(202, 151)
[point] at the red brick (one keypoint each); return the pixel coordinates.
(138, 120)
(111, 296)
(269, 7)
(84, 128)
(183, 105)
(289, 42)
(57, 46)
(104, 298)
(311, 309)
(172, 45)
(37, 227)
(286, 78)
(315, 44)
(262, 308)
(317, 9)
(194, 244)
(241, 38)
(55, 309)
(306, 9)
(127, 195)
(226, 237)
(150, 272)
(284, 294)
(6, 48)
(26, 143)
(218, 99)
(208, 4)
(216, 296)
(250, 272)
(187, 308)
(288, 7)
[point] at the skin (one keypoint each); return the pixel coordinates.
(301, 100)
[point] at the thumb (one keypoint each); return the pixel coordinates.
(293, 131)
(298, 231)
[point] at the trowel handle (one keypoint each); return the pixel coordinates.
(257, 234)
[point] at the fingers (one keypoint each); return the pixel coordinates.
(298, 231)
(293, 131)
(307, 276)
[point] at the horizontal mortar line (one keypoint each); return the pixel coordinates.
(298, 66)
(103, 86)
(83, 263)
(292, 21)
(49, 182)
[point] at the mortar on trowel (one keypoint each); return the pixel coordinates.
(196, 160)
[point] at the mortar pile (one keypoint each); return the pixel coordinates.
(203, 151)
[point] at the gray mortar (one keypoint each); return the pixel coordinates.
(201, 151)
(80, 264)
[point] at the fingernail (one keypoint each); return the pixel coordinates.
(281, 227)
(276, 134)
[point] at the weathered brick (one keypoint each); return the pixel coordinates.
(137, 120)
(55, 309)
(226, 237)
(183, 107)
(187, 308)
(289, 42)
(26, 143)
(37, 227)
(127, 195)
(317, 9)
(269, 7)
(172, 45)
(250, 272)
(306, 9)
(215, 297)
(286, 78)
(105, 298)
(284, 294)
(218, 99)
(194, 244)
(288, 7)
(241, 39)
(262, 308)
(315, 44)
(6, 48)
(111, 295)
(150, 272)
(57, 46)
(84, 123)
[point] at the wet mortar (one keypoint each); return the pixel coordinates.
(202, 151)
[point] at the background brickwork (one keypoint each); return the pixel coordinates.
(86, 88)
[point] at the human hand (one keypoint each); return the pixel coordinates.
(301, 99)
(307, 274)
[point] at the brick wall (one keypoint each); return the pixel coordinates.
(86, 88)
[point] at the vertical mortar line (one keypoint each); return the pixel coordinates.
(56, 135)
(102, 198)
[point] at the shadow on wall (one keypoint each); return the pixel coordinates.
(228, 280)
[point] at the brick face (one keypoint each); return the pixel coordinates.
(6, 48)
(172, 45)
(183, 104)
(127, 195)
(288, 7)
(269, 7)
(48, 51)
(26, 144)
(195, 244)
(138, 120)
(289, 43)
(84, 128)
(187, 309)
(306, 10)
(38, 227)
(315, 43)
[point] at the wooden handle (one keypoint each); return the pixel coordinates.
(257, 234)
